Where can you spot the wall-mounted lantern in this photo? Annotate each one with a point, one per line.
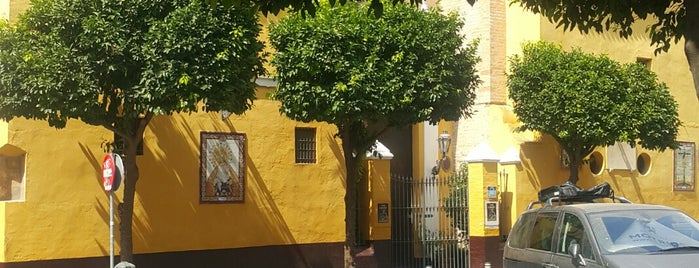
(444, 141)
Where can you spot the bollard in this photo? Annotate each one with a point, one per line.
(486, 265)
(125, 264)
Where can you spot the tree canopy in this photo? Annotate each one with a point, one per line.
(310, 6)
(344, 67)
(673, 20)
(365, 74)
(584, 100)
(116, 65)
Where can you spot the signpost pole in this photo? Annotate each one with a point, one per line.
(112, 174)
(111, 229)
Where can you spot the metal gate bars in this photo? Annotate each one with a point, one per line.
(430, 221)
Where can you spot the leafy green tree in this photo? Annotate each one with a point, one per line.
(365, 74)
(673, 20)
(118, 65)
(583, 101)
(310, 6)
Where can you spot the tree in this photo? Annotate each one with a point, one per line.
(674, 20)
(118, 65)
(365, 74)
(310, 6)
(583, 101)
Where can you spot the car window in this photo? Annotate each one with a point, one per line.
(573, 232)
(541, 235)
(519, 235)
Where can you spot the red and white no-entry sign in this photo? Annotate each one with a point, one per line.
(108, 172)
(112, 174)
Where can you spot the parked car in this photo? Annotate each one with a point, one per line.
(617, 234)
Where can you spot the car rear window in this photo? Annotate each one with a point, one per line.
(519, 235)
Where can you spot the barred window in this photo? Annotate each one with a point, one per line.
(305, 145)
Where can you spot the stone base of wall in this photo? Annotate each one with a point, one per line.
(308, 255)
(486, 249)
(377, 255)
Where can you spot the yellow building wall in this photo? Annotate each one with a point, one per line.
(66, 211)
(4, 9)
(672, 68)
(541, 165)
(376, 189)
(540, 155)
(2, 231)
(485, 175)
(10, 9)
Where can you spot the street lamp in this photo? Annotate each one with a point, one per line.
(444, 141)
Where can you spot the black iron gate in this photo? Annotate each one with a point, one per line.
(430, 221)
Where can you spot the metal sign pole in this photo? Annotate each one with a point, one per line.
(111, 229)
(112, 175)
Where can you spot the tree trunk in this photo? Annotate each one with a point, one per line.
(126, 208)
(574, 172)
(576, 158)
(135, 137)
(691, 43)
(352, 168)
(576, 154)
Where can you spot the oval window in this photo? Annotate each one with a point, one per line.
(596, 160)
(643, 163)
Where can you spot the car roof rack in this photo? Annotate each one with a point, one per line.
(576, 199)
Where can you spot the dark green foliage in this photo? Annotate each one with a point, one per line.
(583, 100)
(616, 15)
(365, 74)
(671, 20)
(344, 66)
(118, 63)
(310, 6)
(85, 59)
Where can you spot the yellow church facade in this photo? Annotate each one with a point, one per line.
(519, 164)
(56, 214)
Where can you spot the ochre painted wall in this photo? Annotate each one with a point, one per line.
(2, 230)
(540, 167)
(65, 214)
(10, 9)
(376, 189)
(672, 69)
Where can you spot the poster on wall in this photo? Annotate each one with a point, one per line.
(222, 167)
(492, 214)
(684, 167)
(383, 212)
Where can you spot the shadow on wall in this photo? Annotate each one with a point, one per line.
(169, 189)
(627, 178)
(541, 162)
(169, 216)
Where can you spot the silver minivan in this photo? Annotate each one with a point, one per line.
(603, 235)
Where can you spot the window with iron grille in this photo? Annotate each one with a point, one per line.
(305, 145)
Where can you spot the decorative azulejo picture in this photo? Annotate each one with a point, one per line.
(684, 167)
(222, 167)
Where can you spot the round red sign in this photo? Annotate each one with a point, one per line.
(108, 172)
